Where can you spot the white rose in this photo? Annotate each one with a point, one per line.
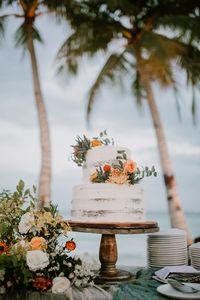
(25, 222)
(9, 284)
(2, 289)
(77, 283)
(37, 259)
(60, 285)
(2, 273)
(85, 281)
(69, 265)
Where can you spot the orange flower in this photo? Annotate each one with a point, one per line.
(129, 166)
(93, 176)
(3, 247)
(42, 283)
(115, 172)
(38, 243)
(96, 143)
(75, 152)
(117, 177)
(106, 168)
(70, 245)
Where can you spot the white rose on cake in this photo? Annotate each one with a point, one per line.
(37, 260)
(25, 222)
(60, 285)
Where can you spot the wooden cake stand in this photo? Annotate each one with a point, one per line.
(108, 246)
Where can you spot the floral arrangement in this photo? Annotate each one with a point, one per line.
(83, 144)
(34, 248)
(125, 171)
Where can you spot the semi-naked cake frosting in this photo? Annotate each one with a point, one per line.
(106, 202)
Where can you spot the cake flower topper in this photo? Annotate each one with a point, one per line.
(84, 144)
(124, 171)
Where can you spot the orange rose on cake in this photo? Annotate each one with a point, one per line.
(96, 143)
(129, 166)
(106, 168)
(38, 243)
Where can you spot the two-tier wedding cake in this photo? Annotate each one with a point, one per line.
(110, 191)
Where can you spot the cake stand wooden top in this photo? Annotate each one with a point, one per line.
(115, 228)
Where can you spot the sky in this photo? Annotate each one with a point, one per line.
(114, 110)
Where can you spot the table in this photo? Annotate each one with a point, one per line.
(108, 247)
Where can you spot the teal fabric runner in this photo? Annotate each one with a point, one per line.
(142, 288)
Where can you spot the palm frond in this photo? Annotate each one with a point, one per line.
(22, 35)
(181, 26)
(193, 108)
(190, 63)
(116, 63)
(1, 27)
(138, 89)
(82, 41)
(7, 2)
(177, 102)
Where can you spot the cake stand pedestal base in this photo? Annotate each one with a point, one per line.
(120, 276)
(108, 258)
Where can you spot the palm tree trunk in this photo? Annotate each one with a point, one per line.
(45, 171)
(176, 214)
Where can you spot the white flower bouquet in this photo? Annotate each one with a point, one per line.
(32, 258)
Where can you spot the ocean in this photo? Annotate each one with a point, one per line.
(132, 248)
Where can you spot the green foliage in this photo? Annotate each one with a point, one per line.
(12, 207)
(83, 144)
(140, 174)
(80, 150)
(144, 27)
(53, 209)
(23, 34)
(102, 176)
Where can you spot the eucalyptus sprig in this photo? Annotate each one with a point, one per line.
(139, 175)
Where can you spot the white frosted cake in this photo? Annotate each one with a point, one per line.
(115, 200)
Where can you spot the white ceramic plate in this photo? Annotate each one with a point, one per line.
(174, 259)
(195, 260)
(171, 242)
(167, 239)
(169, 252)
(168, 232)
(195, 246)
(164, 265)
(168, 291)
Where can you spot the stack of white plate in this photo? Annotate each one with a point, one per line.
(167, 248)
(194, 251)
